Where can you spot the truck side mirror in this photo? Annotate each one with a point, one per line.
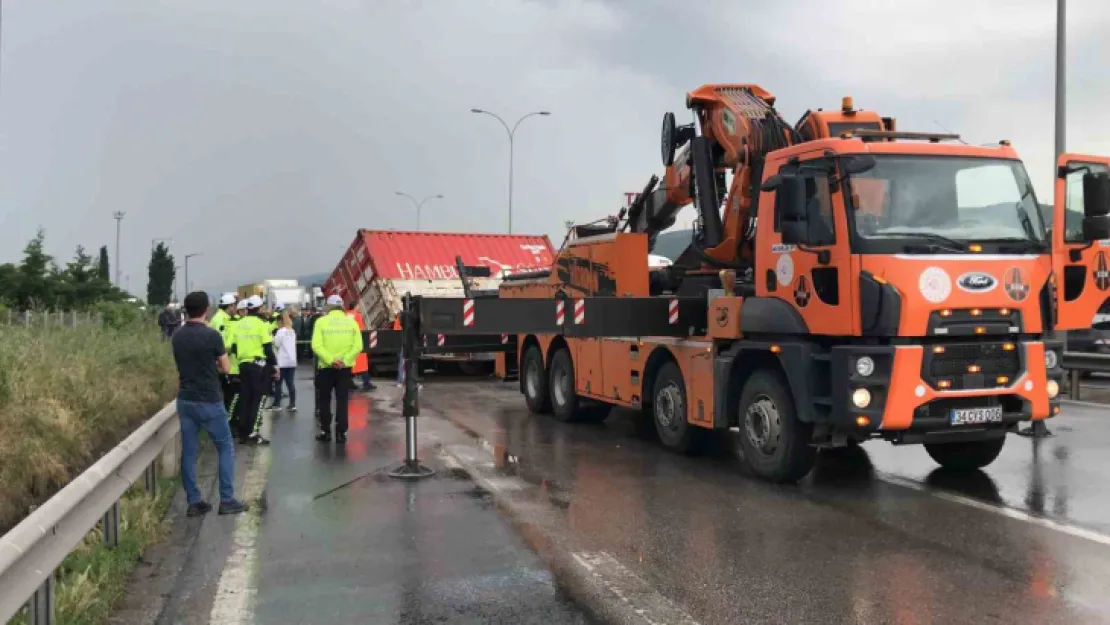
(1096, 194)
(1096, 206)
(790, 205)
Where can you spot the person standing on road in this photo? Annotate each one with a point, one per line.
(199, 353)
(336, 342)
(221, 322)
(362, 361)
(285, 346)
(168, 321)
(252, 344)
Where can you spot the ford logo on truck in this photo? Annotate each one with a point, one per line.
(976, 282)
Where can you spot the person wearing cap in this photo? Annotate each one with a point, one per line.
(252, 343)
(221, 322)
(336, 341)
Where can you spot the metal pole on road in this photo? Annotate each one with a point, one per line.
(512, 134)
(419, 205)
(411, 468)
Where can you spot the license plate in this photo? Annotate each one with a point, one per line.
(970, 416)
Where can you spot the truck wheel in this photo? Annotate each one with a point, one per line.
(564, 399)
(776, 444)
(668, 411)
(967, 455)
(534, 378)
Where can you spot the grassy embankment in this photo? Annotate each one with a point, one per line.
(66, 397)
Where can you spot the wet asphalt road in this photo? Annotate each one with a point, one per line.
(879, 535)
(876, 536)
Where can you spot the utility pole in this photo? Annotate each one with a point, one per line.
(118, 216)
(512, 134)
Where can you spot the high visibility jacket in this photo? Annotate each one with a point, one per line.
(362, 363)
(248, 338)
(219, 321)
(336, 337)
(229, 329)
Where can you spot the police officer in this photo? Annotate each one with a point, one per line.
(336, 341)
(252, 343)
(233, 374)
(221, 322)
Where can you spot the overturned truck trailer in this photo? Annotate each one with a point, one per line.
(380, 266)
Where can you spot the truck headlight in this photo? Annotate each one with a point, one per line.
(1053, 388)
(1051, 359)
(865, 366)
(861, 397)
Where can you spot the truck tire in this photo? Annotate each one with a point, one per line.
(967, 455)
(537, 393)
(668, 411)
(564, 397)
(775, 442)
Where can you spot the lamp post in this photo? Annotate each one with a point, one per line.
(419, 204)
(512, 133)
(187, 257)
(118, 216)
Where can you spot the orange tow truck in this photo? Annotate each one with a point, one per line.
(845, 281)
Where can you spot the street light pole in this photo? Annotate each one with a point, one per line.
(118, 216)
(1061, 80)
(419, 205)
(512, 134)
(187, 257)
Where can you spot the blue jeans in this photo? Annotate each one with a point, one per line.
(212, 418)
(287, 377)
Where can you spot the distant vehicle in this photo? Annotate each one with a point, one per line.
(381, 266)
(273, 292)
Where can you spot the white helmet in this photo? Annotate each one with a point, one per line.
(242, 305)
(254, 303)
(335, 300)
(279, 307)
(227, 299)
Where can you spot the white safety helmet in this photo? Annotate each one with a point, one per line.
(242, 305)
(254, 303)
(278, 307)
(227, 299)
(335, 300)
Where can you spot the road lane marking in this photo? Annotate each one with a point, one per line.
(631, 590)
(238, 586)
(1012, 513)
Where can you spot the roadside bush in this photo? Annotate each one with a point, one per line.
(66, 397)
(121, 315)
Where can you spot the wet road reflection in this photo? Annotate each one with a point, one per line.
(874, 534)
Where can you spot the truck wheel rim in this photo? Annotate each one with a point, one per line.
(560, 390)
(532, 379)
(667, 402)
(762, 424)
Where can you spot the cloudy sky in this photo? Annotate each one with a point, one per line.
(263, 133)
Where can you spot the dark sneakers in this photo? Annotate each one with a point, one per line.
(200, 508)
(233, 507)
(254, 439)
(341, 437)
(323, 436)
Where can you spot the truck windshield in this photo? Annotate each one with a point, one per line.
(942, 204)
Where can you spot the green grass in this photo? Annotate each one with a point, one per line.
(66, 397)
(94, 577)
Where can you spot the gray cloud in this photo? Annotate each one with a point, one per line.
(264, 132)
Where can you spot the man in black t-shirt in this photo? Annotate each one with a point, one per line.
(201, 358)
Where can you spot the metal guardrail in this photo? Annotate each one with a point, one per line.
(32, 551)
(1078, 362)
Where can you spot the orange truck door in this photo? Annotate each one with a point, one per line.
(1082, 269)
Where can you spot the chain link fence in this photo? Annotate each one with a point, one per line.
(51, 319)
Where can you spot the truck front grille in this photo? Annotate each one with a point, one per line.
(967, 366)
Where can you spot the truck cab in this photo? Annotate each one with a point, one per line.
(920, 278)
